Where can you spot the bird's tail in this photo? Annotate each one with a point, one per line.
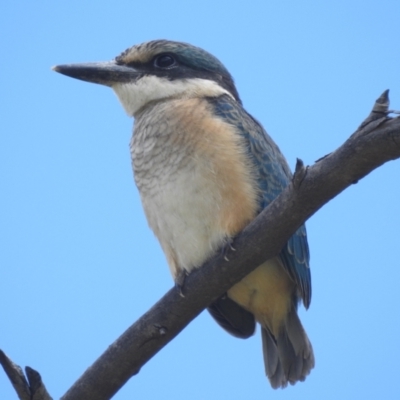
(288, 355)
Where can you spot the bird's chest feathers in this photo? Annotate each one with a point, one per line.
(195, 181)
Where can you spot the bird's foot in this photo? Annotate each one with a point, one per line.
(226, 247)
(180, 280)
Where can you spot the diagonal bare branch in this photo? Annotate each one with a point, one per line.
(376, 141)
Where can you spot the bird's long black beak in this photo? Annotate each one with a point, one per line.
(105, 73)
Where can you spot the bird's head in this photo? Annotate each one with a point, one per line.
(155, 71)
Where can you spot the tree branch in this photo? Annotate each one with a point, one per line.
(31, 389)
(376, 141)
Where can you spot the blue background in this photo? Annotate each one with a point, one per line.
(78, 263)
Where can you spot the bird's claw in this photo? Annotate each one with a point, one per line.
(179, 281)
(227, 246)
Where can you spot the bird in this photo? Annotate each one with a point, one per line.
(205, 168)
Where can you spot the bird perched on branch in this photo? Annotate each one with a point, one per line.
(205, 168)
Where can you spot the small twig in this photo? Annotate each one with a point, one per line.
(38, 390)
(300, 173)
(16, 377)
(377, 116)
(34, 390)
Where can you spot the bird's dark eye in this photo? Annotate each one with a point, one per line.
(164, 61)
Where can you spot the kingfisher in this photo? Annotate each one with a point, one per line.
(205, 168)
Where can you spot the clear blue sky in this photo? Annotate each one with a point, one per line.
(78, 263)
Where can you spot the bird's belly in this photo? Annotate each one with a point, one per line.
(266, 292)
(183, 213)
(196, 182)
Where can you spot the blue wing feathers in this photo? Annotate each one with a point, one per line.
(273, 176)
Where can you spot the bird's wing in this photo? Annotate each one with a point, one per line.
(232, 317)
(273, 176)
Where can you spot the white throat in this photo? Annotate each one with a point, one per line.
(135, 95)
